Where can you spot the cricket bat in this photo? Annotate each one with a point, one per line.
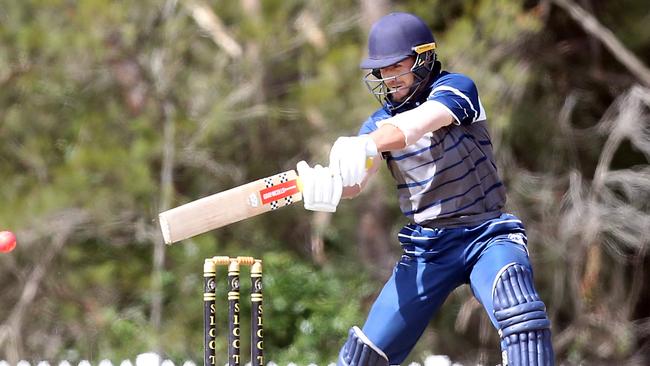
(230, 206)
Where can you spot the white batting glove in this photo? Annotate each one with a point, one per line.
(321, 189)
(348, 158)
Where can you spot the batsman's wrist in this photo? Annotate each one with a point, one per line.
(370, 145)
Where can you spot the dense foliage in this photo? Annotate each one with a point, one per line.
(111, 111)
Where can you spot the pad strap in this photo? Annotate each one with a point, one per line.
(524, 327)
(358, 350)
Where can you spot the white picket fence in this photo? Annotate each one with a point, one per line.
(152, 359)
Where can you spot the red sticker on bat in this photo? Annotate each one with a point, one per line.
(279, 191)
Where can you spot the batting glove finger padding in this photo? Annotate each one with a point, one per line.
(321, 189)
(348, 158)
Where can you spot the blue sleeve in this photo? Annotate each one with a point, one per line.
(371, 123)
(367, 127)
(458, 93)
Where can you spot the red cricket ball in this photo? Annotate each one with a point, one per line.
(7, 241)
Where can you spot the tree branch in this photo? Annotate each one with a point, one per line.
(592, 26)
(208, 21)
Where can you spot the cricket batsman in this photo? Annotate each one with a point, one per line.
(431, 132)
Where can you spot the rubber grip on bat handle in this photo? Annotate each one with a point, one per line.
(369, 162)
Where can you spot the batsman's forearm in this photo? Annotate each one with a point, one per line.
(388, 137)
(408, 127)
(351, 192)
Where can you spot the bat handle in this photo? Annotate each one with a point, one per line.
(369, 162)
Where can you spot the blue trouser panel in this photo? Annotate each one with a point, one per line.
(434, 263)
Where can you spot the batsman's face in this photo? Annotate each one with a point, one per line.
(400, 78)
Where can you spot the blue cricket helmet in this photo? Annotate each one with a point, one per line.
(393, 38)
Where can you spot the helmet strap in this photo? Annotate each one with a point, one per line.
(424, 64)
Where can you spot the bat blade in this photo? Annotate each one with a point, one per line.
(230, 206)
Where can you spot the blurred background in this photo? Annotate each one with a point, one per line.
(112, 111)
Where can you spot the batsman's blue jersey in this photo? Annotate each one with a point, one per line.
(449, 188)
(448, 177)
